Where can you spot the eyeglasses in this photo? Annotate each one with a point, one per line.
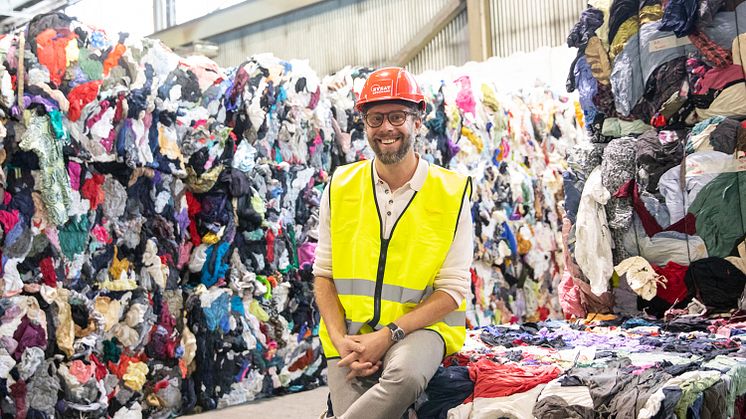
(396, 118)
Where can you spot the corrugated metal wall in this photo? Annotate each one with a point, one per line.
(337, 33)
(449, 47)
(525, 25)
(343, 32)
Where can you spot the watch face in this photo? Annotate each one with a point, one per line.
(398, 335)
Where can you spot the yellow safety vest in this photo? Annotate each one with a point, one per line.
(380, 280)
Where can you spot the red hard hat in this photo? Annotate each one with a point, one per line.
(391, 83)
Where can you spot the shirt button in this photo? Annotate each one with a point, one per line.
(388, 213)
(391, 201)
(385, 191)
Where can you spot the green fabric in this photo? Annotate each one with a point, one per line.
(720, 208)
(615, 127)
(93, 68)
(690, 390)
(736, 371)
(55, 184)
(263, 279)
(73, 236)
(112, 352)
(55, 118)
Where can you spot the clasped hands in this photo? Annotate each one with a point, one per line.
(363, 353)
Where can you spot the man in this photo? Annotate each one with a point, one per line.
(392, 262)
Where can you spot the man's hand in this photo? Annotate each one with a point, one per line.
(350, 350)
(367, 361)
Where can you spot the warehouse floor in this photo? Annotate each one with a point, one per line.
(304, 405)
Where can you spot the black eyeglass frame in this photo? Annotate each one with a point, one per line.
(387, 115)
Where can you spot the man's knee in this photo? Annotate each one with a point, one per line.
(405, 378)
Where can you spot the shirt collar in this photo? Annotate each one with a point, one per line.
(417, 180)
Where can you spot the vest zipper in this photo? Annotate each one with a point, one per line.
(379, 283)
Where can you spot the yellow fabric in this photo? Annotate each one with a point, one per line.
(257, 311)
(109, 309)
(473, 137)
(189, 342)
(626, 30)
(205, 182)
(415, 251)
(598, 60)
(579, 115)
(65, 332)
(72, 52)
(489, 99)
(210, 238)
(134, 378)
(652, 13)
(118, 266)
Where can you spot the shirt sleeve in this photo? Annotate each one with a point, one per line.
(322, 265)
(454, 277)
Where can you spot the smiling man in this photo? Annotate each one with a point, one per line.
(392, 263)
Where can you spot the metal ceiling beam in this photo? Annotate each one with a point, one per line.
(234, 17)
(21, 13)
(428, 32)
(480, 38)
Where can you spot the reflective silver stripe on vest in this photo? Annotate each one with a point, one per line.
(388, 292)
(455, 318)
(353, 327)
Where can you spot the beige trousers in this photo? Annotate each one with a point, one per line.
(407, 368)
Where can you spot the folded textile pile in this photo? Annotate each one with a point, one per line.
(612, 368)
(661, 221)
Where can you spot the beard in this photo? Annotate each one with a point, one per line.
(392, 156)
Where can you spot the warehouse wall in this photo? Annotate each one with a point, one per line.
(336, 33)
(520, 25)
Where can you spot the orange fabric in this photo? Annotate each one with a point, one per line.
(113, 58)
(51, 52)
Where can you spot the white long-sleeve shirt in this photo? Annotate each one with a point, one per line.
(453, 277)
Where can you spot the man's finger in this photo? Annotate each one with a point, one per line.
(346, 361)
(368, 371)
(360, 366)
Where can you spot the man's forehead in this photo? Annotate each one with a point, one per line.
(388, 107)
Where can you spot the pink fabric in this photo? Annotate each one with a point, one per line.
(184, 251)
(717, 78)
(8, 219)
(569, 297)
(465, 98)
(100, 233)
(81, 371)
(53, 237)
(306, 254)
(73, 170)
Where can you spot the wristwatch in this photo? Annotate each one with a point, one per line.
(397, 333)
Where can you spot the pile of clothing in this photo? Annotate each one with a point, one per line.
(655, 201)
(513, 146)
(158, 216)
(593, 369)
(157, 219)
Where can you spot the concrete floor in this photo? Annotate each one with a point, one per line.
(304, 405)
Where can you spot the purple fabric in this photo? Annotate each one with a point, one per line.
(28, 335)
(575, 338)
(306, 254)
